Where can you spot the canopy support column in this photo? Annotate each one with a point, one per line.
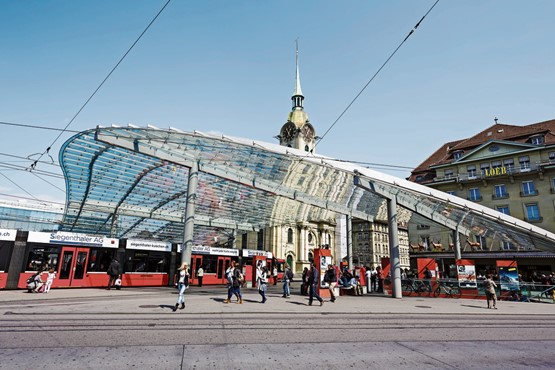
(350, 242)
(457, 244)
(395, 262)
(190, 214)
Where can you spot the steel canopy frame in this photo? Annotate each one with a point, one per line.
(139, 177)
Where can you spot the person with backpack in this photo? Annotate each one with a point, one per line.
(237, 279)
(313, 281)
(287, 278)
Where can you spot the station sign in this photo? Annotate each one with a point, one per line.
(72, 239)
(7, 235)
(203, 249)
(249, 253)
(148, 245)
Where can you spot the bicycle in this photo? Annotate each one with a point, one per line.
(449, 290)
(413, 285)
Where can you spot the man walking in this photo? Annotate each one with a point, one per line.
(114, 271)
(313, 281)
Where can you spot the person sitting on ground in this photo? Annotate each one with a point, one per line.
(346, 278)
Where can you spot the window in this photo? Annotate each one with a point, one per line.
(474, 194)
(524, 163)
(500, 191)
(100, 258)
(453, 192)
(145, 261)
(553, 185)
(528, 188)
(457, 155)
(503, 209)
(551, 156)
(471, 171)
(448, 173)
(509, 164)
(496, 164)
(536, 140)
(42, 258)
(533, 212)
(507, 246)
(484, 167)
(290, 235)
(260, 240)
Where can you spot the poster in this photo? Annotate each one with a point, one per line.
(508, 278)
(324, 262)
(467, 276)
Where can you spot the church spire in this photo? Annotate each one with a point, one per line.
(297, 97)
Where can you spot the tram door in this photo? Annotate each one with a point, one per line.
(223, 264)
(72, 266)
(196, 262)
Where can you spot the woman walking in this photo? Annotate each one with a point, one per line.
(262, 282)
(182, 284)
(489, 287)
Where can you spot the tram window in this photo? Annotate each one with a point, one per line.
(210, 264)
(99, 259)
(141, 261)
(42, 258)
(5, 252)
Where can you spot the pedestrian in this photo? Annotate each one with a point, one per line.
(379, 278)
(304, 284)
(275, 275)
(200, 274)
(313, 281)
(368, 275)
(427, 279)
(237, 279)
(489, 288)
(286, 277)
(330, 277)
(114, 270)
(262, 282)
(182, 284)
(374, 279)
(49, 280)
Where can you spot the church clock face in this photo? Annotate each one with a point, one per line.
(289, 132)
(308, 133)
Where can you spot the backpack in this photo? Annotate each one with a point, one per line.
(289, 274)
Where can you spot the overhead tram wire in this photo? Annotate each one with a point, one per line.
(370, 81)
(32, 167)
(375, 75)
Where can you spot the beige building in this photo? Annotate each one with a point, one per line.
(505, 167)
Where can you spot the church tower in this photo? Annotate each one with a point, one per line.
(297, 132)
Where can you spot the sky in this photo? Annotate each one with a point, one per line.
(229, 67)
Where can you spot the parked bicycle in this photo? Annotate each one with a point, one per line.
(449, 289)
(413, 286)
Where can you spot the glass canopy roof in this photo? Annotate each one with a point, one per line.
(131, 182)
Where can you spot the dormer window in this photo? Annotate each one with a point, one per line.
(536, 140)
(457, 154)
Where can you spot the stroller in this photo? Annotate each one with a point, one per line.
(34, 283)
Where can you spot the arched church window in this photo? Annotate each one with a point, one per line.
(306, 148)
(310, 257)
(289, 235)
(310, 237)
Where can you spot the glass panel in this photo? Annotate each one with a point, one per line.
(67, 259)
(80, 265)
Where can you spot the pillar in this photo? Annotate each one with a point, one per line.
(190, 214)
(394, 248)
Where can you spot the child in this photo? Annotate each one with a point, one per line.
(118, 282)
(49, 280)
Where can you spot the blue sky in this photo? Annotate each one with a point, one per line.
(229, 67)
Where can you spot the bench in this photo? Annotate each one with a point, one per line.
(350, 290)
